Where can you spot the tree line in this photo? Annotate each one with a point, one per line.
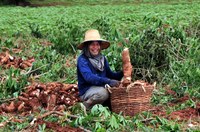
(15, 2)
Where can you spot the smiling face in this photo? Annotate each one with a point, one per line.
(94, 48)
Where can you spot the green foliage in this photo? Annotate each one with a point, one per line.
(161, 98)
(185, 71)
(167, 125)
(162, 49)
(180, 91)
(41, 128)
(13, 83)
(113, 54)
(101, 119)
(35, 30)
(149, 51)
(8, 43)
(12, 126)
(66, 36)
(193, 30)
(51, 66)
(189, 103)
(104, 25)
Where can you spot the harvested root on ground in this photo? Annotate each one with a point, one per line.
(7, 61)
(50, 96)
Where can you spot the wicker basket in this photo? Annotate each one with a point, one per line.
(132, 99)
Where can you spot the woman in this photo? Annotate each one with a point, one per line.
(93, 70)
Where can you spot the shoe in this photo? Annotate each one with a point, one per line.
(88, 104)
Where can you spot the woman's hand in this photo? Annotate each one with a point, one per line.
(114, 83)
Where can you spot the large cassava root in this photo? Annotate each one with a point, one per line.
(127, 67)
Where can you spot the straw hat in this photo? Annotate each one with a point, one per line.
(93, 35)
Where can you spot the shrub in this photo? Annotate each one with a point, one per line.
(66, 36)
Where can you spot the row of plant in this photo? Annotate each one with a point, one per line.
(16, 20)
(164, 47)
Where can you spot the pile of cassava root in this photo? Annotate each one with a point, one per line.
(7, 61)
(50, 96)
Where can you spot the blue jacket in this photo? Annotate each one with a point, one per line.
(88, 76)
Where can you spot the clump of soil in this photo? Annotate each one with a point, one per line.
(185, 114)
(180, 115)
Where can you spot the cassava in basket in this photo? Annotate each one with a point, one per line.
(132, 99)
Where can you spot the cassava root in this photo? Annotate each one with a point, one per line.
(127, 67)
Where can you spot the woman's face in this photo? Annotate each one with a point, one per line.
(94, 48)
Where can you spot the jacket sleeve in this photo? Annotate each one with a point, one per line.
(112, 75)
(89, 76)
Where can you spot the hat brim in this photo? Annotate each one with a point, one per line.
(104, 44)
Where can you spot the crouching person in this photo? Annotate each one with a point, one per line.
(93, 70)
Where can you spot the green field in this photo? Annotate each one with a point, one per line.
(17, 19)
(163, 38)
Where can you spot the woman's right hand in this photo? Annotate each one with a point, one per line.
(114, 83)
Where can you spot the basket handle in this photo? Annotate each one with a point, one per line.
(138, 83)
(108, 88)
(133, 84)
